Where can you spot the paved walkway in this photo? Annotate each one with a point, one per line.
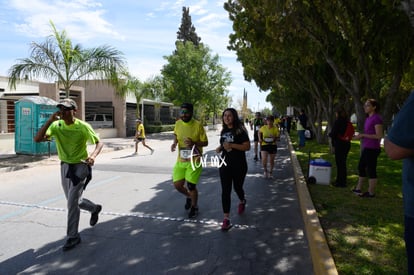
(287, 204)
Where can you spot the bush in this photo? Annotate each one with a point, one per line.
(159, 128)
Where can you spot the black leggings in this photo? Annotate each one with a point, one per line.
(341, 154)
(409, 242)
(232, 176)
(368, 163)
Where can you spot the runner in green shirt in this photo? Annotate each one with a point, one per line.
(71, 135)
(190, 136)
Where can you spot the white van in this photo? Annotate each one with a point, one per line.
(100, 120)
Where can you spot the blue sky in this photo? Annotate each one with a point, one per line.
(144, 30)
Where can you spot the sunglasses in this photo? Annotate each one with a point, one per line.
(185, 112)
(65, 108)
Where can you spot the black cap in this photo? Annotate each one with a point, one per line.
(187, 106)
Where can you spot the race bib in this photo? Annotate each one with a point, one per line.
(185, 153)
(268, 140)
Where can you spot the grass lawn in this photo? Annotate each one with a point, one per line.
(365, 235)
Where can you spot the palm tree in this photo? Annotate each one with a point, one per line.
(151, 88)
(58, 60)
(131, 86)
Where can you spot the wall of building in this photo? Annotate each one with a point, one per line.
(99, 91)
(51, 90)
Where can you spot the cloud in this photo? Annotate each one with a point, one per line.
(144, 31)
(84, 18)
(199, 8)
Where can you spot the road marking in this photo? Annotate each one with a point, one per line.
(116, 214)
(92, 185)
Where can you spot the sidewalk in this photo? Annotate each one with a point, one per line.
(321, 257)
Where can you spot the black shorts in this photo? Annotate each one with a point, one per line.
(271, 149)
(139, 139)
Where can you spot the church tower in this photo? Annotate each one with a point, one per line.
(244, 111)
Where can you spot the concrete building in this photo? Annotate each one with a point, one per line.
(92, 97)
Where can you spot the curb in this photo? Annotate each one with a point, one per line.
(322, 259)
(14, 168)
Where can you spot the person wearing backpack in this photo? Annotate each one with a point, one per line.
(341, 136)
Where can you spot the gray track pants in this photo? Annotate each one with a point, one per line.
(75, 202)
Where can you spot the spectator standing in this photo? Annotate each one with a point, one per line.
(277, 124)
(399, 144)
(190, 136)
(341, 146)
(288, 123)
(255, 126)
(301, 127)
(371, 148)
(268, 135)
(71, 135)
(234, 142)
(140, 136)
(282, 125)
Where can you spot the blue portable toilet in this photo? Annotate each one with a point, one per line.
(31, 113)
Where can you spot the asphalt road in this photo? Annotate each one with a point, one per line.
(143, 227)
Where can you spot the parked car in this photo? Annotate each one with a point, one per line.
(100, 120)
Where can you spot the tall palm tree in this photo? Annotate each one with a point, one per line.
(58, 60)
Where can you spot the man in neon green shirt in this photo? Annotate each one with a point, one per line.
(71, 135)
(190, 136)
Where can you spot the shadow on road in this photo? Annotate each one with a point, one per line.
(157, 238)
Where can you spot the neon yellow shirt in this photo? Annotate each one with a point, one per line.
(141, 131)
(192, 129)
(276, 123)
(269, 134)
(299, 126)
(71, 140)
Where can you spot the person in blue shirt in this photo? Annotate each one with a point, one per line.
(301, 127)
(399, 144)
